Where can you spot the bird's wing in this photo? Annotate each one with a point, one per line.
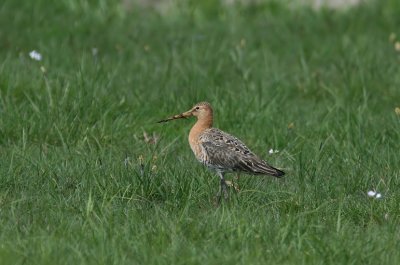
(224, 140)
(227, 152)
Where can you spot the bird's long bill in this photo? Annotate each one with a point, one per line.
(179, 116)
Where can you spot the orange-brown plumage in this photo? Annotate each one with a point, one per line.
(204, 121)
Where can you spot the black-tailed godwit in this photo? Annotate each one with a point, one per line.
(219, 150)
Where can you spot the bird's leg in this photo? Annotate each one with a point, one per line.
(232, 183)
(223, 188)
(235, 183)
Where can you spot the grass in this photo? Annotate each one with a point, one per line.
(78, 183)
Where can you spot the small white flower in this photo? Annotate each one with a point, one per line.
(35, 55)
(272, 151)
(374, 194)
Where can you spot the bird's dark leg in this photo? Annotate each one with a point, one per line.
(223, 188)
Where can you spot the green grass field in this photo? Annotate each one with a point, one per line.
(79, 184)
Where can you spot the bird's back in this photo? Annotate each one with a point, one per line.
(224, 152)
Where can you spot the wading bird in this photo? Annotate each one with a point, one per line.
(220, 151)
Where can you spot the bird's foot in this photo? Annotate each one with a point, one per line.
(232, 184)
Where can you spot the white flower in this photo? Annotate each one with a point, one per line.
(374, 194)
(35, 55)
(272, 151)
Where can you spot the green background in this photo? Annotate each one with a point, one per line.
(80, 184)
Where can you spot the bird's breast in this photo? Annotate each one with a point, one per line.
(197, 148)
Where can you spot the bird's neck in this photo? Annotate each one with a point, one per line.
(202, 124)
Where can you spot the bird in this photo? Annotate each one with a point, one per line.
(220, 151)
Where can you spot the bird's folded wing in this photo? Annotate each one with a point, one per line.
(221, 155)
(228, 158)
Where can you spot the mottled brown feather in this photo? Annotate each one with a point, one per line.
(226, 153)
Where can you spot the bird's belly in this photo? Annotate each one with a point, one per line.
(197, 151)
(203, 158)
(216, 168)
(201, 155)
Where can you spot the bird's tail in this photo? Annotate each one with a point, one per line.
(258, 166)
(265, 169)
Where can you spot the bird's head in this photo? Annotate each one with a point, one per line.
(202, 110)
